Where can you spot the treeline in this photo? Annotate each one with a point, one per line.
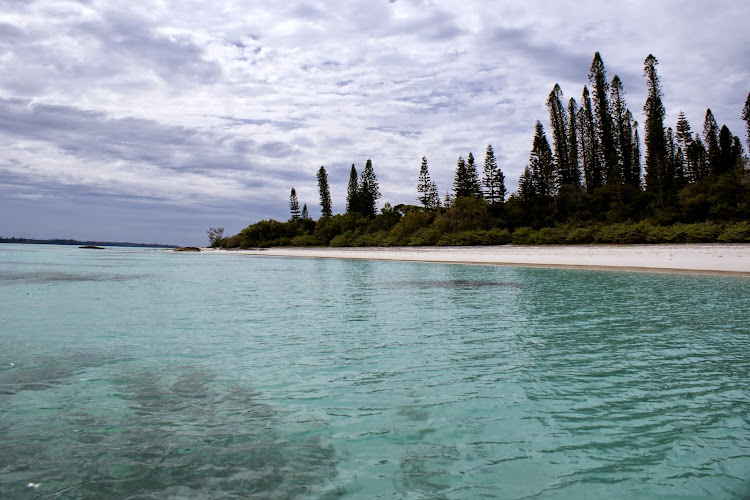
(589, 186)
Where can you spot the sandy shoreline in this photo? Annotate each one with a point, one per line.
(694, 258)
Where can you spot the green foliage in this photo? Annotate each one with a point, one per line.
(658, 180)
(424, 184)
(409, 224)
(543, 182)
(294, 206)
(465, 214)
(735, 232)
(493, 236)
(325, 193)
(494, 180)
(369, 191)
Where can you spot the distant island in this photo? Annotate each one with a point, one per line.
(60, 241)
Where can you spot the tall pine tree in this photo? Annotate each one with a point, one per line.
(657, 178)
(603, 118)
(475, 187)
(559, 121)
(574, 172)
(635, 174)
(726, 154)
(526, 188)
(698, 161)
(353, 198)
(623, 133)
(684, 136)
(325, 193)
(433, 197)
(294, 205)
(462, 180)
(423, 184)
(494, 180)
(369, 191)
(593, 168)
(542, 164)
(746, 117)
(711, 136)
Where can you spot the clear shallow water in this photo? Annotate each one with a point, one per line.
(149, 374)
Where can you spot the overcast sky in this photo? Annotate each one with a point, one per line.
(152, 121)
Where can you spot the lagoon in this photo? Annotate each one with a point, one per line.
(133, 373)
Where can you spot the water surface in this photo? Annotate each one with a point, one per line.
(132, 373)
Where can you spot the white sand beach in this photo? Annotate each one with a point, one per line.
(698, 258)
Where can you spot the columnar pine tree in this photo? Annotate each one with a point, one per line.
(559, 121)
(603, 118)
(369, 191)
(325, 193)
(423, 184)
(657, 180)
(698, 161)
(593, 168)
(711, 136)
(623, 134)
(494, 180)
(294, 205)
(684, 136)
(631, 170)
(305, 214)
(433, 198)
(542, 164)
(473, 177)
(526, 188)
(635, 163)
(671, 163)
(353, 203)
(746, 117)
(726, 156)
(574, 173)
(461, 183)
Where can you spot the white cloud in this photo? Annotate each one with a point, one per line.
(194, 102)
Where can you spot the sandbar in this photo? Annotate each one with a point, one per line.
(711, 258)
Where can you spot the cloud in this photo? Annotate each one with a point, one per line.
(228, 104)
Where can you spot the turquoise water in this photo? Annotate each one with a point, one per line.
(132, 373)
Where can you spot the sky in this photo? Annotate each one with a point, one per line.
(154, 121)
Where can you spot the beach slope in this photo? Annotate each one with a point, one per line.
(702, 258)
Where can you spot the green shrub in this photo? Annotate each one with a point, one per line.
(735, 232)
(525, 236)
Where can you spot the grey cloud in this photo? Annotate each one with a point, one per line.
(432, 26)
(307, 11)
(553, 59)
(133, 39)
(9, 33)
(96, 52)
(281, 125)
(396, 131)
(93, 135)
(276, 149)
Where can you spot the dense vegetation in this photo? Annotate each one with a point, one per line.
(588, 187)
